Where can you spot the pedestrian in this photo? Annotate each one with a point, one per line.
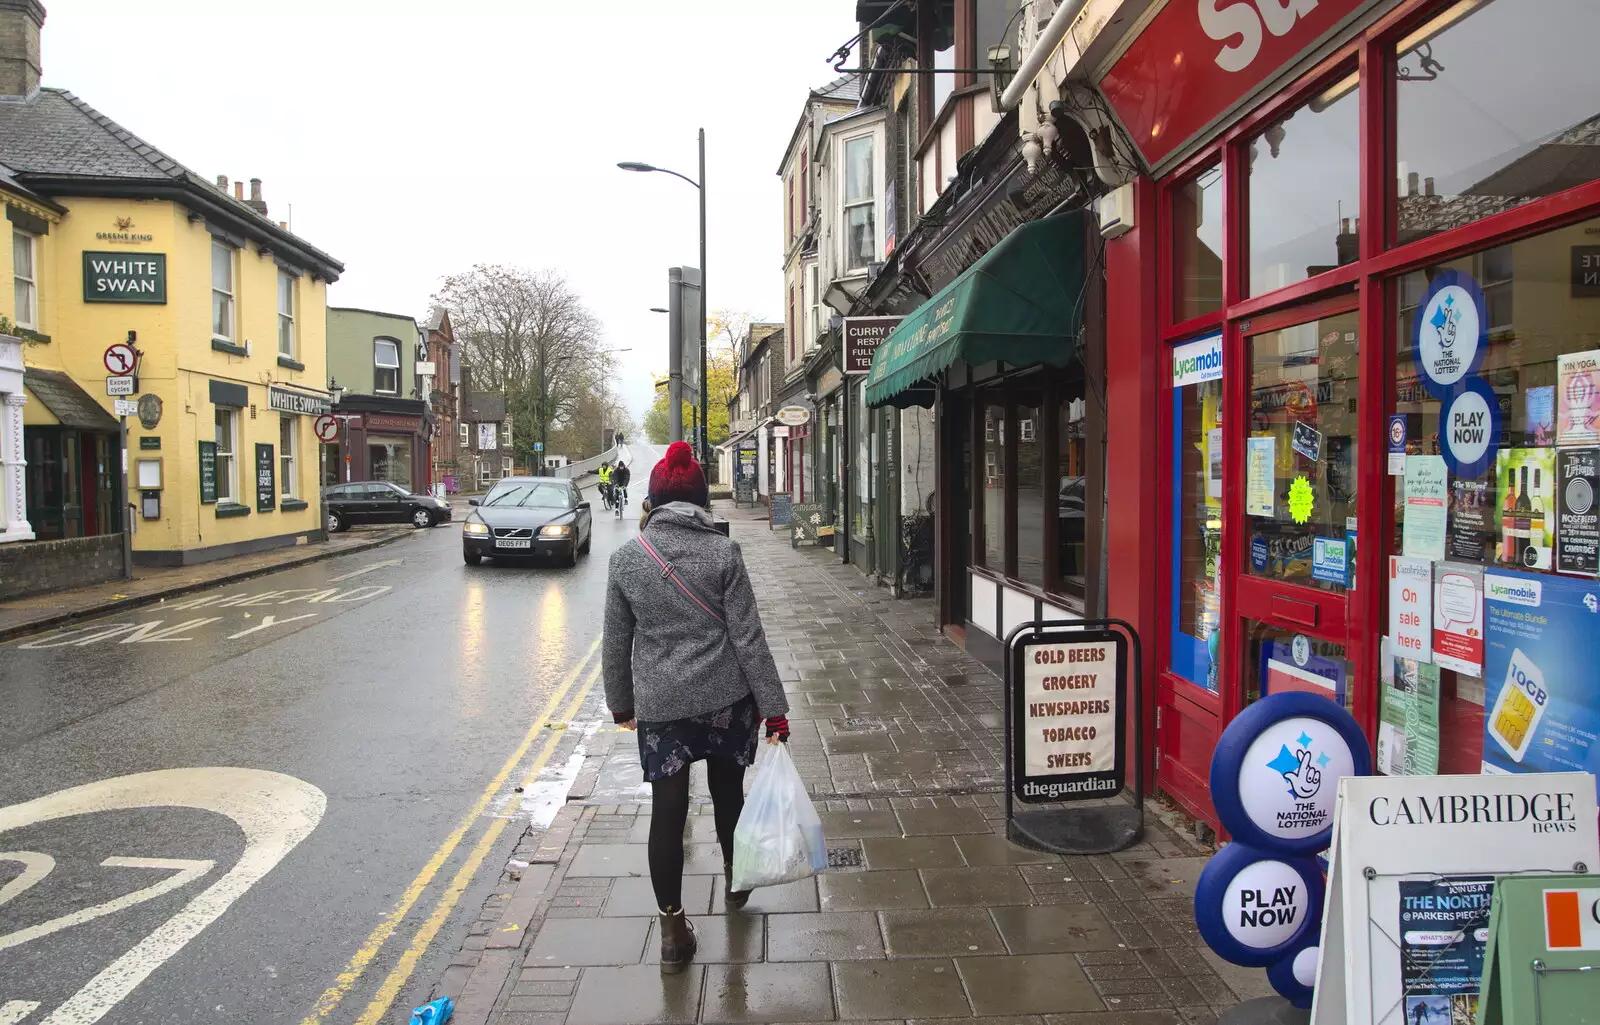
(687, 666)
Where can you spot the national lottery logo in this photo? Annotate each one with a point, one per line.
(1301, 768)
(1446, 320)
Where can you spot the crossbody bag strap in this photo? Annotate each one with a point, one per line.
(668, 573)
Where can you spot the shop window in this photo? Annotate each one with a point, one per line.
(389, 459)
(1305, 190)
(1300, 457)
(462, 431)
(227, 438)
(1073, 504)
(994, 482)
(386, 366)
(23, 249)
(860, 219)
(1471, 139)
(1197, 439)
(288, 456)
(1031, 492)
(1197, 245)
(222, 291)
(286, 334)
(1503, 486)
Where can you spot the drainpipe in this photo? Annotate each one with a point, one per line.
(1054, 31)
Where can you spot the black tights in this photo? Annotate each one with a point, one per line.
(669, 813)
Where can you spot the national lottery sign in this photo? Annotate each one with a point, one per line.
(1070, 689)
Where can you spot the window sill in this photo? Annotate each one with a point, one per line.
(28, 334)
(292, 364)
(227, 510)
(293, 505)
(231, 349)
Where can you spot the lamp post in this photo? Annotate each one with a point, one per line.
(631, 165)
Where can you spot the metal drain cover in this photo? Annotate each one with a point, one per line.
(860, 722)
(844, 857)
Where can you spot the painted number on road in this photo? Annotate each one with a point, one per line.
(275, 812)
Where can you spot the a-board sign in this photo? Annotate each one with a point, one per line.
(1069, 693)
(208, 473)
(266, 479)
(1413, 864)
(782, 509)
(1544, 939)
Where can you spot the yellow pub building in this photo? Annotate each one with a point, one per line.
(117, 247)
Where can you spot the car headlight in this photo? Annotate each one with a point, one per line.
(555, 530)
(475, 528)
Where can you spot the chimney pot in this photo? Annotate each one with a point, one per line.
(1411, 182)
(257, 204)
(238, 190)
(1427, 186)
(222, 183)
(20, 23)
(255, 188)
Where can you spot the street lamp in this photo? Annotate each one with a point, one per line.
(705, 308)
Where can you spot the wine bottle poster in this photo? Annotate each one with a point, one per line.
(1525, 503)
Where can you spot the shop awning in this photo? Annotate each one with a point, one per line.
(1021, 302)
(70, 404)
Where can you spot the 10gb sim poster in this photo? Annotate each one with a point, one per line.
(1542, 689)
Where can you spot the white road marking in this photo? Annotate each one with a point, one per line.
(275, 812)
(13, 1011)
(185, 871)
(35, 866)
(269, 621)
(364, 570)
(147, 634)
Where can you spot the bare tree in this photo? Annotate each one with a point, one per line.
(528, 335)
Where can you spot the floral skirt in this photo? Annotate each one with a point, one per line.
(666, 748)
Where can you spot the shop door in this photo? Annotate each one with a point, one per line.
(1290, 545)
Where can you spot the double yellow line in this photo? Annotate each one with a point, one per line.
(401, 973)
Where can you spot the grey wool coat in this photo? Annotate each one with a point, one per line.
(665, 657)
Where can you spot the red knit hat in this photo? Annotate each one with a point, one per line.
(678, 478)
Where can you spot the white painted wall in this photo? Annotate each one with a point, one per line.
(14, 524)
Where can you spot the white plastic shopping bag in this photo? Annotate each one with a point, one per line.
(779, 837)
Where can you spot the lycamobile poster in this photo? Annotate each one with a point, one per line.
(1542, 688)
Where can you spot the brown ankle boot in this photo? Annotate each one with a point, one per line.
(736, 898)
(677, 942)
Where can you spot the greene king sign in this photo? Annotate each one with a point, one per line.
(124, 277)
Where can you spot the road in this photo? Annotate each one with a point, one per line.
(280, 801)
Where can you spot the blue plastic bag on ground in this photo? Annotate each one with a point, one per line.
(779, 836)
(434, 1012)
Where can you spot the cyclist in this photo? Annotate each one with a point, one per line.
(604, 474)
(620, 476)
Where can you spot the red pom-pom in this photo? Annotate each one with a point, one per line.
(679, 454)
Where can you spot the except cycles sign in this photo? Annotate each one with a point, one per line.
(1069, 692)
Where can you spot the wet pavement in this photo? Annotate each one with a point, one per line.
(930, 913)
(284, 799)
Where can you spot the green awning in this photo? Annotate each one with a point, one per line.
(1021, 302)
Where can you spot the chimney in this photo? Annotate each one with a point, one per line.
(1427, 186)
(222, 184)
(20, 22)
(257, 204)
(238, 191)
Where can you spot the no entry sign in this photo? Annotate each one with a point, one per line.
(326, 428)
(120, 359)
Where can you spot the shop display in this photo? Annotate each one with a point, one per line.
(1543, 685)
(1471, 533)
(1527, 503)
(1578, 398)
(1470, 425)
(1426, 496)
(1577, 512)
(1458, 617)
(1261, 482)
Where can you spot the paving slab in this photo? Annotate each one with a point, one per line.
(797, 896)
(589, 941)
(1036, 984)
(912, 852)
(634, 897)
(942, 821)
(997, 850)
(842, 825)
(940, 932)
(724, 939)
(1058, 928)
(975, 887)
(637, 995)
(923, 988)
(767, 993)
(833, 936)
(871, 891)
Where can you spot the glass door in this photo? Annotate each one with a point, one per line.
(1295, 518)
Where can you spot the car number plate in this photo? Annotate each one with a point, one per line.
(515, 542)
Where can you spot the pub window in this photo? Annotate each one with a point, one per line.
(222, 291)
(286, 337)
(288, 451)
(23, 249)
(227, 438)
(1470, 140)
(385, 366)
(1305, 190)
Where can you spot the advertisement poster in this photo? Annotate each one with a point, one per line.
(1577, 512)
(1471, 531)
(1540, 404)
(1397, 444)
(1578, 398)
(1427, 494)
(1307, 441)
(1420, 683)
(1541, 680)
(1527, 506)
(1444, 929)
(1214, 463)
(1458, 618)
(1330, 561)
(1294, 665)
(1411, 607)
(1261, 476)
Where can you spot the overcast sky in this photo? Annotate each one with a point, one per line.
(415, 138)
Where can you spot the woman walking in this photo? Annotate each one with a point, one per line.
(687, 665)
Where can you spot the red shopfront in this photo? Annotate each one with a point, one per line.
(1322, 171)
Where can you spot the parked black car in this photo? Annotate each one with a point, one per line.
(376, 501)
(529, 517)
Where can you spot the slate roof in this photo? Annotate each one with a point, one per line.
(73, 406)
(845, 87)
(57, 136)
(436, 318)
(485, 409)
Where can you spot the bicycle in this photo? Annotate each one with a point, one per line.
(619, 499)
